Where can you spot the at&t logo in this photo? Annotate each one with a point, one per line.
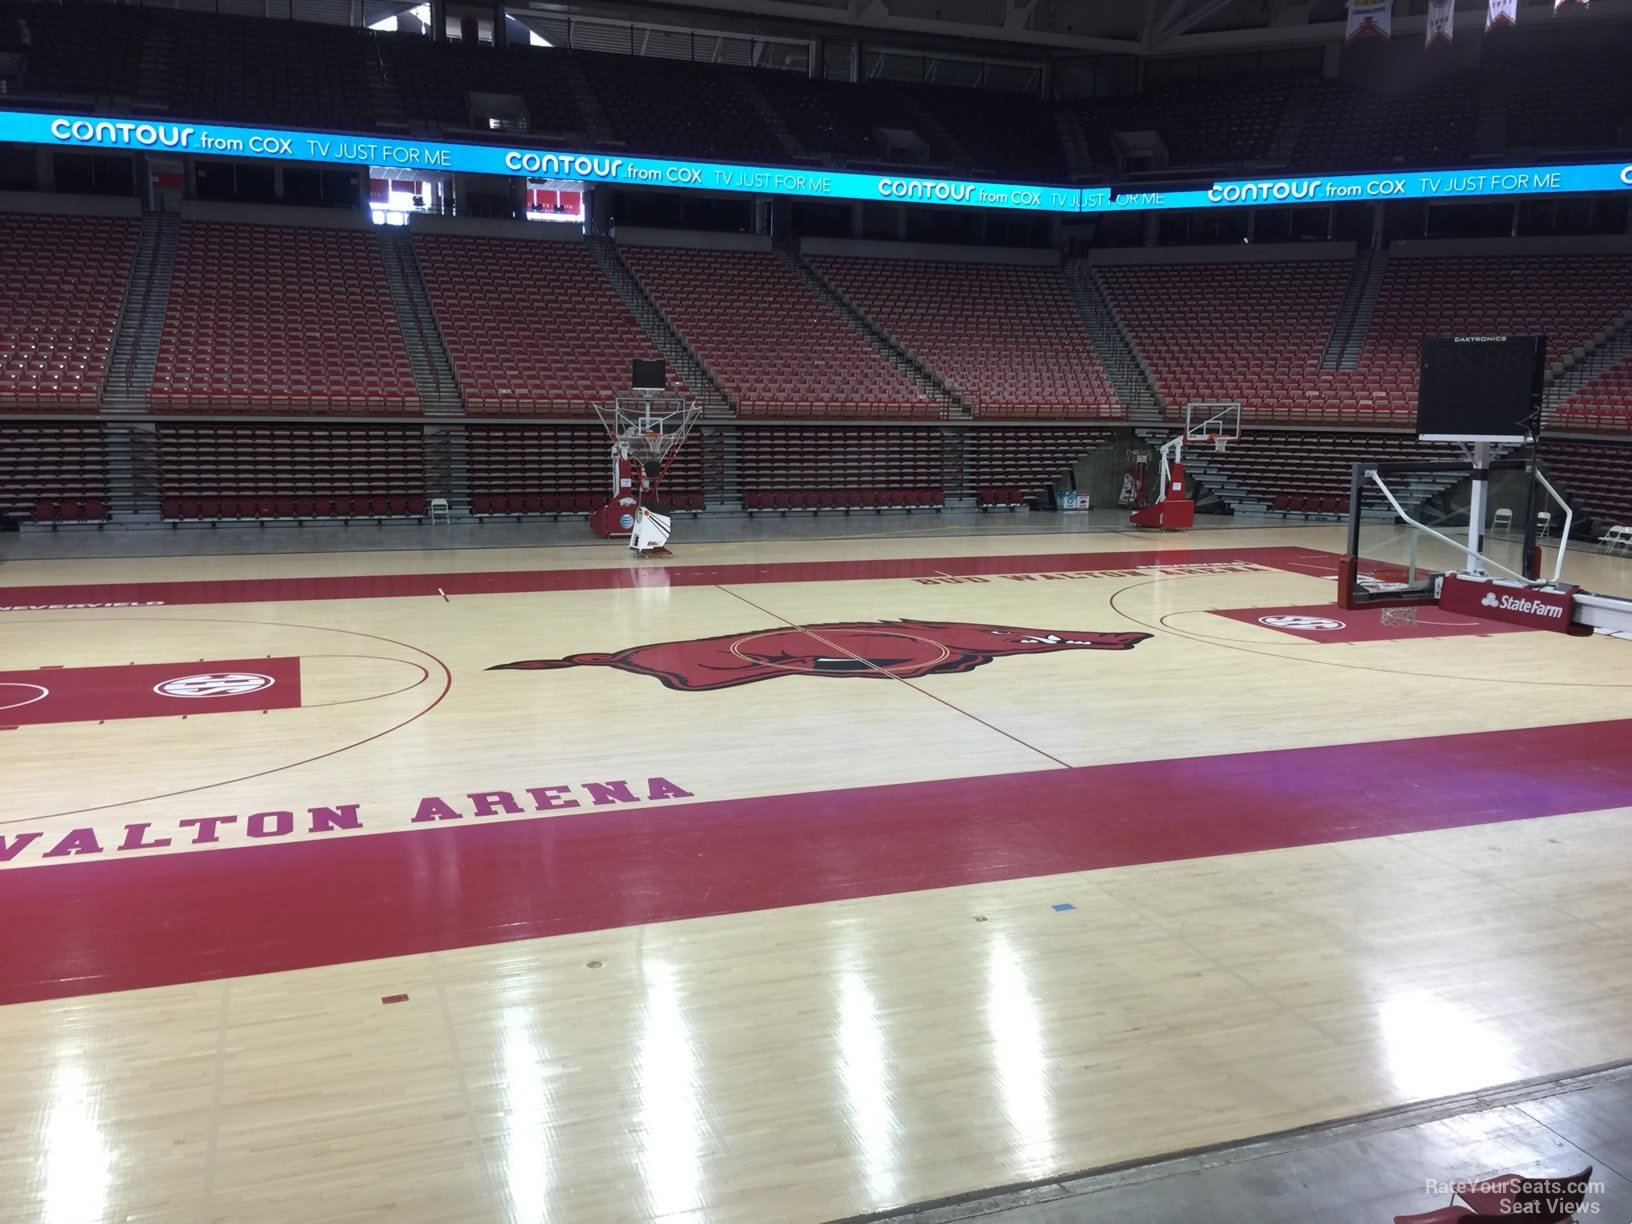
(1321, 624)
(215, 684)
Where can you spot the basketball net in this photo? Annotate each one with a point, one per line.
(648, 429)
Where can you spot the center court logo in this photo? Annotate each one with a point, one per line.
(1317, 624)
(214, 684)
(869, 650)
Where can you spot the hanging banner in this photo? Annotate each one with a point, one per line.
(1441, 22)
(1502, 12)
(1370, 19)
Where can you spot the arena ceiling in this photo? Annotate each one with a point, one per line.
(1046, 28)
(1115, 27)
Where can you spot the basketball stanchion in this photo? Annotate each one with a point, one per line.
(646, 428)
(1173, 510)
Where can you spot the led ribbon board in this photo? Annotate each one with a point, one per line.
(220, 140)
(1372, 188)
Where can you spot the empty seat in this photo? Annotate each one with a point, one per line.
(776, 347)
(274, 319)
(65, 280)
(1006, 338)
(531, 326)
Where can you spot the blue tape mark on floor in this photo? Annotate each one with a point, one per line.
(1064, 905)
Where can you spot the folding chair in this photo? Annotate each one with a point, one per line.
(1616, 539)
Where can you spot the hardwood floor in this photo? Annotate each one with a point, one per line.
(828, 877)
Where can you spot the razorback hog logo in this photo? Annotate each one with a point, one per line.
(903, 649)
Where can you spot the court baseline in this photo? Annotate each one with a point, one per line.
(626, 577)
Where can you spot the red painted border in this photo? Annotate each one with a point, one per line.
(88, 928)
(132, 690)
(510, 582)
(1366, 624)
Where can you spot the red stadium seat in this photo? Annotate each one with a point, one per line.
(1007, 338)
(65, 281)
(275, 319)
(516, 347)
(777, 348)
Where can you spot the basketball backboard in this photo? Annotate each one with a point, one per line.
(1214, 423)
(1409, 525)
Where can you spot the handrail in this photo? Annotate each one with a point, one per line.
(1569, 518)
(1563, 537)
(1411, 522)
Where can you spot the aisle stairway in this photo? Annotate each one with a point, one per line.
(682, 358)
(427, 354)
(141, 321)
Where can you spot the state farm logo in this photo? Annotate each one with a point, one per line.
(1516, 603)
(1319, 624)
(215, 684)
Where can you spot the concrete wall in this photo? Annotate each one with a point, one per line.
(1283, 252)
(494, 227)
(69, 205)
(1509, 248)
(1099, 473)
(274, 214)
(929, 251)
(631, 235)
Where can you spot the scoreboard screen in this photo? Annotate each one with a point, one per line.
(649, 374)
(1480, 388)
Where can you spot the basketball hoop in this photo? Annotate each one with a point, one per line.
(646, 431)
(649, 429)
(1218, 423)
(646, 445)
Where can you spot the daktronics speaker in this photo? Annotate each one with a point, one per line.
(1480, 388)
(650, 374)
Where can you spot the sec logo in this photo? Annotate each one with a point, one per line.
(1322, 624)
(214, 684)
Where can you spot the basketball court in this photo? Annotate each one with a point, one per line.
(792, 877)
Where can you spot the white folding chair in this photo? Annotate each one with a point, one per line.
(1544, 524)
(439, 509)
(1616, 539)
(1503, 518)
